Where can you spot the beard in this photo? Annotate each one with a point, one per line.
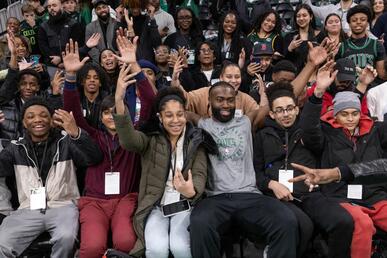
(56, 18)
(104, 17)
(221, 118)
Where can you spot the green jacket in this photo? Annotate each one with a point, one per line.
(155, 150)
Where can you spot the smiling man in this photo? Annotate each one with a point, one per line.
(231, 188)
(55, 33)
(44, 164)
(359, 47)
(105, 25)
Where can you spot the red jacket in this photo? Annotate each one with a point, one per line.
(123, 161)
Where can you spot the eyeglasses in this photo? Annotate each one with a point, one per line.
(281, 110)
(184, 18)
(206, 50)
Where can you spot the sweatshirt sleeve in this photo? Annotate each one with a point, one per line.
(147, 96)
(72, 103)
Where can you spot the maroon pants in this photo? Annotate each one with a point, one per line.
(97, 216)
(365, 221)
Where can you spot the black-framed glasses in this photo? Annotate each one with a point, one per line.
(281, 110)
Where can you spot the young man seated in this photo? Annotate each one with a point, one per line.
(44, 164)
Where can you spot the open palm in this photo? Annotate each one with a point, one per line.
(127, 49)
(71, 59)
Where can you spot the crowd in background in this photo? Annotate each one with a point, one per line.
(162, 127)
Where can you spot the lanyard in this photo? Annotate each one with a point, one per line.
(39, 168)
(111, 153)
(286, 149)
(173, 166)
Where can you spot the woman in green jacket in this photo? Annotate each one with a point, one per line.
(174, 171)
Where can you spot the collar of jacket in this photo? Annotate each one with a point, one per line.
(365, 123)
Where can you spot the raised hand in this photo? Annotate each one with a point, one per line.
(127, 49)
(57, 82)
(177, 69)
(295, 43)
(253, 68)
(2, 116)
(71, 59)
(185, 187)
(242, 58)
(11, 42)
(129, 20)
(318, 54)
(325, 77)
(93, 40)
(124, 80)
(66, 120)
(367, 75)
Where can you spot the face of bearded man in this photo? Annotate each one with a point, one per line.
(102, 11)
(54, 8)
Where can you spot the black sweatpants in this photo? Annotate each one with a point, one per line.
(332, 219)
(255, 214)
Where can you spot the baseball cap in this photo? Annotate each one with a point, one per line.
(97, 2)
(262, 49)
(346, 69)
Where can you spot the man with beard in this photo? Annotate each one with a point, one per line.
(55, 33)
(105, 26)
(360, 47)
(231, 188)
(344, 81)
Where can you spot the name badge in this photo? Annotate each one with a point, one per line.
(84, 112)
(168, 78)
(38, 198)
(238, 113)
(283, 178)
(355, 192)
(171, 197)
(112, 182)
(191, 57)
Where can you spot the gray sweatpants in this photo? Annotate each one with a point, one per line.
(20, 228)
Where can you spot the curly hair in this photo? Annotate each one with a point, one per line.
(278, 90)
(261, 18)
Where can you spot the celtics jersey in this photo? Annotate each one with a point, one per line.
(255, 39)
(362, 51)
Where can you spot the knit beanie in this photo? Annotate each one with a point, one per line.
(344, 100)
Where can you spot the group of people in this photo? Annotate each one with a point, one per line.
(125, 126)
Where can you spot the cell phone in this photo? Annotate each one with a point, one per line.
(34, 59)
(175, 208)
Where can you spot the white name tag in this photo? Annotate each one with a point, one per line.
(112, 182)
(213, 81)
(238, 113)
(171, 197)
(38, 198)
(283, 178)
(355, 192)
(168, 78)
(84, 112)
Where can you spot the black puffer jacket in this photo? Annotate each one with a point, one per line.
(270, 147)
(339, 149)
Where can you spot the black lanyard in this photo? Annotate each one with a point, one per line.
(286, 149)
(39, 168)
(111, 153)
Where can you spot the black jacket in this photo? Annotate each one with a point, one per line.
(339, 150)
(54, 35)
(271, 144)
